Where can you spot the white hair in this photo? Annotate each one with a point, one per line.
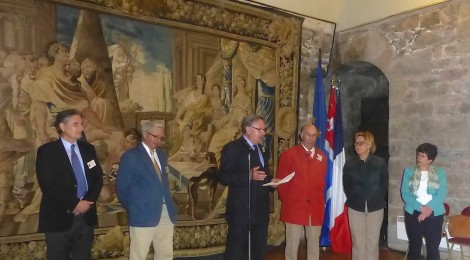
(152, 124)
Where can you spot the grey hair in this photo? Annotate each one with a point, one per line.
(249, 119)
(150, 125)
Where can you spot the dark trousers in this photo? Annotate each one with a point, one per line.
(430, 229)
(74, 243)
(237, 241)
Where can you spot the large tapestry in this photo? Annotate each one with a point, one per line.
(198, 66)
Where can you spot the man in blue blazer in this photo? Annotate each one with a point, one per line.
(70, 178)
(142, 187)
(244, 169)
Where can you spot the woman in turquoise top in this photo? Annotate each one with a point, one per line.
(424, 189)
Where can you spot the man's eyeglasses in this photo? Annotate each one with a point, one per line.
(162, 138)
(259, 129)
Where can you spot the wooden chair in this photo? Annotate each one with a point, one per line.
(461, 241)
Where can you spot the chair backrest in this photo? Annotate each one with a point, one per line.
(446, 206)
(459, 226)
(466, 211)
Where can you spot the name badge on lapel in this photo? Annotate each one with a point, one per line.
(319, 157)
(91, 164)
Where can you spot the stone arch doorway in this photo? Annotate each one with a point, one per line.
(364, 96)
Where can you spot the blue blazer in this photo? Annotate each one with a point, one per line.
(140, 190)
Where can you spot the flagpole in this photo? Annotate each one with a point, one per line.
(319, 55)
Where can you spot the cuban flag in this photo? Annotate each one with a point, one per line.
(339, 224)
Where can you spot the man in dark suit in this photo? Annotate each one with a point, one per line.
(70, 178)
(244, 169)
(142, 187)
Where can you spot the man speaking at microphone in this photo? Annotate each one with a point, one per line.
(244, 169)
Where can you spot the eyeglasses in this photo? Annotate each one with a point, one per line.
(259, 129)
(359, 143)
(162, 138)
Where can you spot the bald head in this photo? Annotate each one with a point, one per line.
(308, 135)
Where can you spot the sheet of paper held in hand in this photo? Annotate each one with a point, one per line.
(286, 179)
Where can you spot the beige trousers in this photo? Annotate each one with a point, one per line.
(161, 236)
(365, 233)
(293, 235)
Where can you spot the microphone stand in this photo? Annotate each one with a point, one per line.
(249, 204)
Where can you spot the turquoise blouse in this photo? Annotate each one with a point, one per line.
(438, 196)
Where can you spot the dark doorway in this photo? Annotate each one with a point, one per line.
(364, 97)
(374, 118)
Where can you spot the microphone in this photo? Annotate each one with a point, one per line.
(250, 149)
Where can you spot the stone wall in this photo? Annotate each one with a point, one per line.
(316, 37)
(425, 55)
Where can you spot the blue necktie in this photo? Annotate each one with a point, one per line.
(260, 155)
(79, 175)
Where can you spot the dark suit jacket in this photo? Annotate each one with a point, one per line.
(234, 174)
(59, 186)
(140, 190)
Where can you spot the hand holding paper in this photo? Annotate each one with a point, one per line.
(286, 179)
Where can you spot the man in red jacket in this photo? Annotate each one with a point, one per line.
(303, 199)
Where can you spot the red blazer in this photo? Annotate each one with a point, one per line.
(304, 195)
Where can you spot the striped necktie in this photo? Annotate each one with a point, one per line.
(155, 164)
